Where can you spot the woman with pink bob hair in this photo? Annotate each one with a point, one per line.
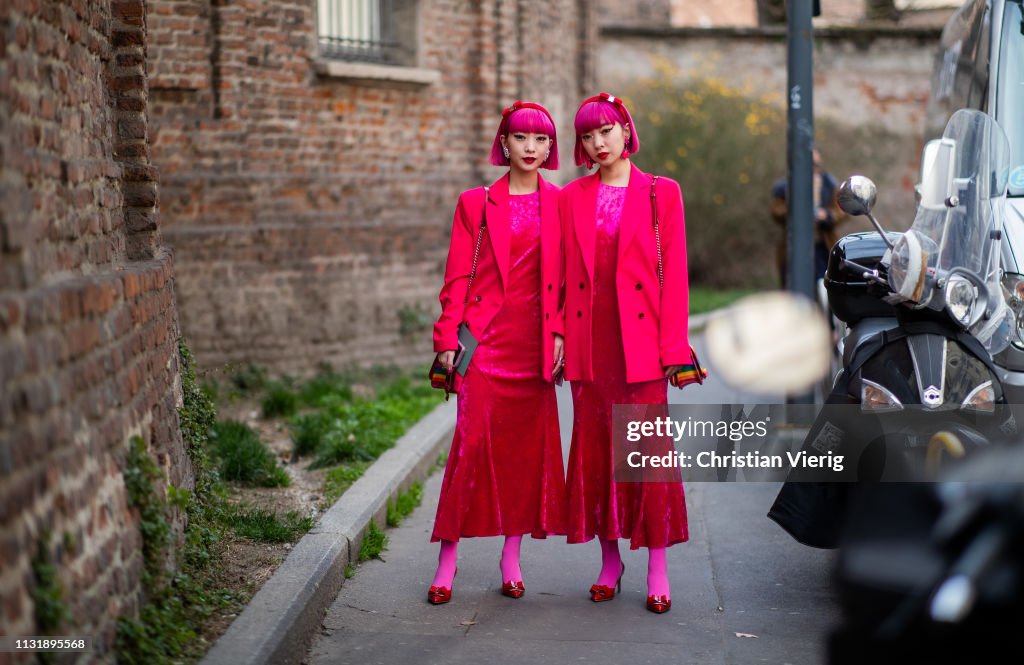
(503, 280)
(626, 309)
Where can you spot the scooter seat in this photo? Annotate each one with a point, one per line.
(864, 330)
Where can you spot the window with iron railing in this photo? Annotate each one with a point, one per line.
(359, 30)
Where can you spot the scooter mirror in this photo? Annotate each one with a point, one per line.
(938, 161)
(857, 195)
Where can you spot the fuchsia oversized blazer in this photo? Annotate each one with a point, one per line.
(488, 291)
(653, 320)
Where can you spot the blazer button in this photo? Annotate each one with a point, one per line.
(641, 315)
(478, 298)
(581, 285)
(549, 287)
(547, 316)
(639, 286)
(579, 314)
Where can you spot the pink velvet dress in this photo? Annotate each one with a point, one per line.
(504, 474)
(649, 514)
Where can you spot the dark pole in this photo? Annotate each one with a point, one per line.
(800, 142)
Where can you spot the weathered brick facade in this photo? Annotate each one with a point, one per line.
(88, 324)
(309, 211)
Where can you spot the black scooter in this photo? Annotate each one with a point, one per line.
(925, 311)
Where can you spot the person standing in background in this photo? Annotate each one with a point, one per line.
(827, 217)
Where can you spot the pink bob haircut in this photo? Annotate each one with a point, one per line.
(525, 117)
(596, 112)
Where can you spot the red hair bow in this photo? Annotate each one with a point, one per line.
(516, 105)
(605, 97)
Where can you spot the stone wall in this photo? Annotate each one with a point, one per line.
(744, 13)
(873, 82)
(88, 324)
(309, 202)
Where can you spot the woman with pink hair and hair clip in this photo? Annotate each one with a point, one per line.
(626, 310)
(503, 280)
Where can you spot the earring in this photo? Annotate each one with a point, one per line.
(504, 150)
(625, 153)
(546, 155)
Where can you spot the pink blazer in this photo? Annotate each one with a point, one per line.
(488, 291)
(653, 320)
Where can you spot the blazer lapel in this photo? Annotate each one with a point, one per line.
(585, 221)
(497, 226)
(636, 210)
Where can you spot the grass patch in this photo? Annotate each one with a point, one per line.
(364, 428)
(374, 542)
(404, 504)
(326, 388)
(279, 401)
(243, 457)
(707, 300)
(340, 478)
(266, 526)
(309, 431)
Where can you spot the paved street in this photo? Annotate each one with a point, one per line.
(743, 592)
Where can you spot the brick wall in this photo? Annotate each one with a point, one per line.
(310, 213)
(88, 325)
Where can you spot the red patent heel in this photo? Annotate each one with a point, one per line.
(439, 595)
(600, 593)
(659, 604)
(512, 589)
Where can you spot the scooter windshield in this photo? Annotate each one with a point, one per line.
(956, 232)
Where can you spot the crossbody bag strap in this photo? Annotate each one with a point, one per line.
(657, 231)
(479, 238)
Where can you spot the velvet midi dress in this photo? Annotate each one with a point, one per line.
(649, 514)
(504, 474)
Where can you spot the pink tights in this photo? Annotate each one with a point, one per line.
(447, 562)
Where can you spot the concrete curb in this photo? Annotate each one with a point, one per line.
(277, 625)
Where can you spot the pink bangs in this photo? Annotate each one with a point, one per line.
(594, 114)
(531, 121)
(526, 120)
